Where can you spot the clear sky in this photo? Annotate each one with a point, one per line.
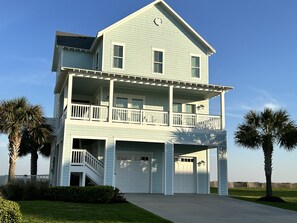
(256, 43)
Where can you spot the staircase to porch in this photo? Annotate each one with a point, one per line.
(84, 162)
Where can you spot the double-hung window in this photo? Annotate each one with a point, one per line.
(195, 66)
(118, 56)
(158, 61)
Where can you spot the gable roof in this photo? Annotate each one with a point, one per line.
(211, 50)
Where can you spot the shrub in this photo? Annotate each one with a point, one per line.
(9, 211)
(22, 190)
(96, 194)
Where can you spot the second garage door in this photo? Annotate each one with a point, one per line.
(133, 173)
(185, 177)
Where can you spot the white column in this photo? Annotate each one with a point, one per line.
(222, 169)
(111, 88)
(222, 110)
(69, 95)
(170, 105)
(109, 162)
(169, 169)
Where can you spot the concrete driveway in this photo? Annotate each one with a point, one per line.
(188, 208)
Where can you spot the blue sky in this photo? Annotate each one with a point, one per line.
(256, 43)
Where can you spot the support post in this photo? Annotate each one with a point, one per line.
(222, 169)
(109, 162)
(169, 169)
(69, 95)
(170, 105)
(111, 88)
(222, 110)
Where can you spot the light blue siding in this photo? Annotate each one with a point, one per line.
(222, 169)
(109, 163)
(169, 169)
(77, 59)
(140, 35)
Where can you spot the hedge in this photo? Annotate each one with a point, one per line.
(21, 190)
(9, 211)
(96, 194)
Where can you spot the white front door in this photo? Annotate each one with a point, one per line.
(185, 176)
(133, 173)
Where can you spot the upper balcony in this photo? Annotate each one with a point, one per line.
(94, 96)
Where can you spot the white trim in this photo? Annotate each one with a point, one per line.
(133, 15)
(200, 67)
(103, 53)
(140, 140)
(153, 60)
(112, 55)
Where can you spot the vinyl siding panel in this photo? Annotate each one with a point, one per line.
(140, 35)
(77, 59)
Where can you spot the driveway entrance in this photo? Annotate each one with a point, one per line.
(192, 208)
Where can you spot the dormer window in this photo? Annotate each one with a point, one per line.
(195, 66)
(118, 56)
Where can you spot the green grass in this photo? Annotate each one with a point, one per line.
(252, 194)
(66, 212)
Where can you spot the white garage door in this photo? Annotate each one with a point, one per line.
(133, 173)
(184, 178)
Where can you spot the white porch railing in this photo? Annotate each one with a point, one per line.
(155, 117)
(144, 117)
(81, 157)
(89, 112)
(126, 115)
(208, 122)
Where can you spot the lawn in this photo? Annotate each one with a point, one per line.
(252, 194)
(66, 212)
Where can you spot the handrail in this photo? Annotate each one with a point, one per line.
(81, 157)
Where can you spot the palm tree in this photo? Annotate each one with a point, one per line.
(35, 140)
(264, 130)
(15, 116)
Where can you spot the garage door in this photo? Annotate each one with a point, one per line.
(184, 179)
(133, 173)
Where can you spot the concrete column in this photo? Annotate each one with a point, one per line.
(169, 169)
(223, 110)
(170, 105)
(222, 169)
(109, 162)
(111, 89)
(69, 95)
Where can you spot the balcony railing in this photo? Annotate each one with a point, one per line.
(144, 117)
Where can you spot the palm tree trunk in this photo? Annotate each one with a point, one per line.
(268, 170)
(11, 171)
(34, 159)
(14, 144)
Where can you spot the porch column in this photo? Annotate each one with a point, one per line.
(222, 169)
(109, 162)
(69, 95)
(111, 88)
(169, 169)
(222, 110)
(170, 122)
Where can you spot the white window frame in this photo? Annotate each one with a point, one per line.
(200, 67)
(129, 97)
(153, 60)
(184, 103)
(112, 55)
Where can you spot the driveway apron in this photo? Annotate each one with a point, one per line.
(193, 208)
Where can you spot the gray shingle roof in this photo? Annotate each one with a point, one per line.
(74, 40)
